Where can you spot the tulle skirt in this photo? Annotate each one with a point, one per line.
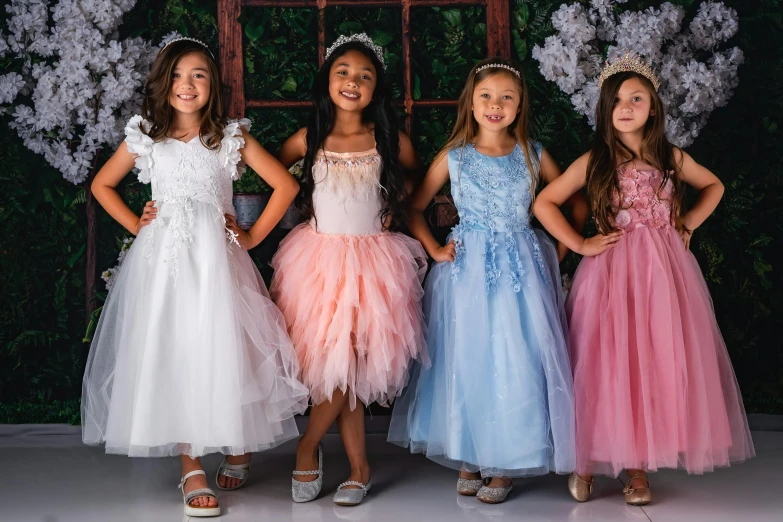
(352, 304)
(192, 364)
(498, 397)
(653, 381)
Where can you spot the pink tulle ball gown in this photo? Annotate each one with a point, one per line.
(653, 383)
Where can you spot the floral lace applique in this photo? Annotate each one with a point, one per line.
(182, 173)
(641, 200)
(501, 193)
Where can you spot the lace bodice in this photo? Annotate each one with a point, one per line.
(493, 196)
(642, 201)
(347, 193)
(180, 169)
(182, 173)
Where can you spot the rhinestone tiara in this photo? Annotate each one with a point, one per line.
(498, 66)
(628, 63)
(364, 40)
(181, 38)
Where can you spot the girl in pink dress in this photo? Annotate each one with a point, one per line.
(349, 288)
(653, 383)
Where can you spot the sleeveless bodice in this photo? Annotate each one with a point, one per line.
(347, 193)
(493, 197)
(492, 193)
(641, 200)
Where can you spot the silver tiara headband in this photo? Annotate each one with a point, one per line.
(363, 39)
(181, 38)
(499, 66)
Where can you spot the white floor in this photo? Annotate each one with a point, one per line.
(53, 478)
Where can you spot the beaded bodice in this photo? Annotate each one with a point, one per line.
(347, 192)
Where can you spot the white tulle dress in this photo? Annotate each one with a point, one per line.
(190, 355)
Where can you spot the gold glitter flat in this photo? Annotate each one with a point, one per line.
(637, 496)
(580, 488)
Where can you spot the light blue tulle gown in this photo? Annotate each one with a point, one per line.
(498, 397)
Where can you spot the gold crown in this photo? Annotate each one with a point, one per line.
(628, 63)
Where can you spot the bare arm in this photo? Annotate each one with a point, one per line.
(436, 177)
(411, 163)
(104, 188)
(284, 190)
(547, 210)
(576, 203)
(293, 149)
(710, 193)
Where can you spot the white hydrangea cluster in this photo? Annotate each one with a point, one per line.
(79, 83)
(110, 274)
(695, 76)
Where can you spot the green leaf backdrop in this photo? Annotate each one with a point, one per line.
(43, 229)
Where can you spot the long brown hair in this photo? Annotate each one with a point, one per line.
(156, 107)
(609, 154)
(466, 126)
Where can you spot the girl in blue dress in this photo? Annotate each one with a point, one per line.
(497, 401)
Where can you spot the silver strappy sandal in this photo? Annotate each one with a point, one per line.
(237, 471)
(198, 511)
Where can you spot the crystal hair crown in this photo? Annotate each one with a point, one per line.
(363, 39)
(181, 38)
(498, 66)
(628, 63)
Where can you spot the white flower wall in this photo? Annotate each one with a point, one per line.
(695, 75)
(79, 83)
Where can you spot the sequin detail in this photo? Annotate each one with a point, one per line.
(354, 174)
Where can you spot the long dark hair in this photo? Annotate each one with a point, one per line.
(379, 113)
(609, 154)
(156, 107)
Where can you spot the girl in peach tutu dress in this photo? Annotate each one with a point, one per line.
(349, 288)
(653, 383)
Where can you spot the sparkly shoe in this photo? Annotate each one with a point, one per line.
(469, 487)
(237, 471)
(637, 496)
(580, 488)
(490, 495)
(351, 497)
(307, 491)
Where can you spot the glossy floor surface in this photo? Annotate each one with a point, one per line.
(48, 476)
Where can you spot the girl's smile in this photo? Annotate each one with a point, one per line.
(496, 102)
(352, 81)
(190, 86)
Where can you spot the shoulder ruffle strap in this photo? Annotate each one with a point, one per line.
(141, 145)
(233, 141)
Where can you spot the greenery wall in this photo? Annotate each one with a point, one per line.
(43, 230)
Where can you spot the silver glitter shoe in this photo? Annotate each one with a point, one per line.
(493, 495)
(307, 491)
(469, 487)
(351, 497)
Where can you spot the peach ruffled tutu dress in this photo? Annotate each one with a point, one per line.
(350, 292)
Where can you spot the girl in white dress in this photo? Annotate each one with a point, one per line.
(190, 356)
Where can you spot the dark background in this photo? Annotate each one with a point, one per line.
(43, 225)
